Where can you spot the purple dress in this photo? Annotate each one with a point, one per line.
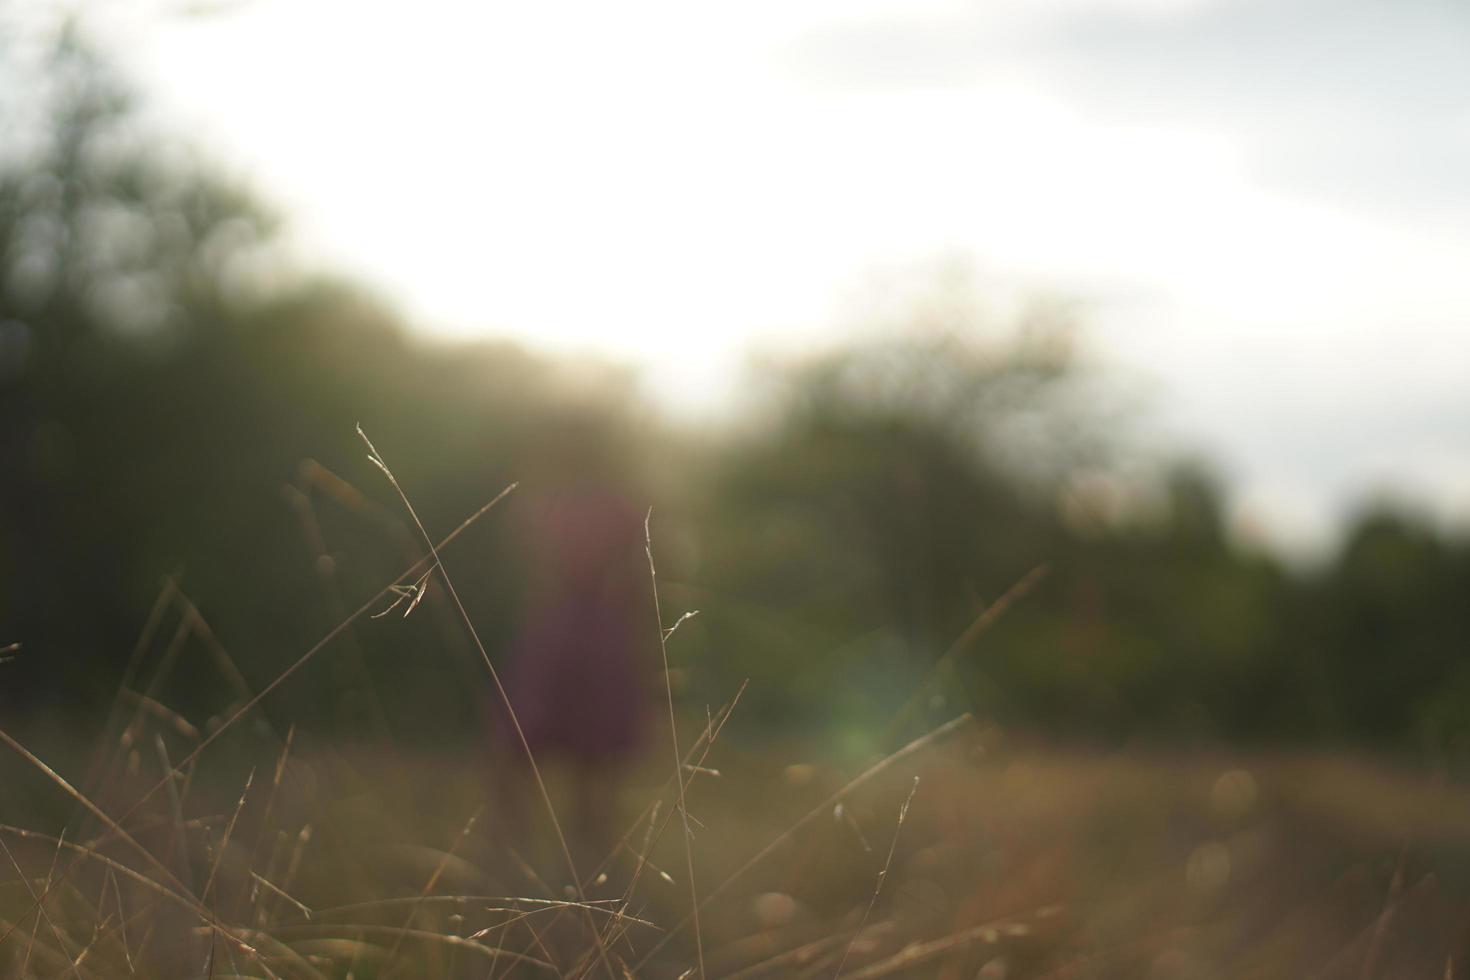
(576, 674)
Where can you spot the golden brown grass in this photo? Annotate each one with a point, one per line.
(1013, 862)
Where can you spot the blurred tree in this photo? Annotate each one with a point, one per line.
(161, 386)
(1393, 618)
(901, 484)
(114, 250)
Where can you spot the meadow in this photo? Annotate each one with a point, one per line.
(229, 846)
(935, 660)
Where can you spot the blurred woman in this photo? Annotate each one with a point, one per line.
(580, 667)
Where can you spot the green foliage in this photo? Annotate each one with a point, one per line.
(163, 413)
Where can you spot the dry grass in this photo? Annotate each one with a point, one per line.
(1012, 862)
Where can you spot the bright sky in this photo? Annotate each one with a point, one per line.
(1261, 204)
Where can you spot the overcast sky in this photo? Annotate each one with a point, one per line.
(1261, 205)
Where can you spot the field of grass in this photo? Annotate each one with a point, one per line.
(229, 847)
(1010, 862)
